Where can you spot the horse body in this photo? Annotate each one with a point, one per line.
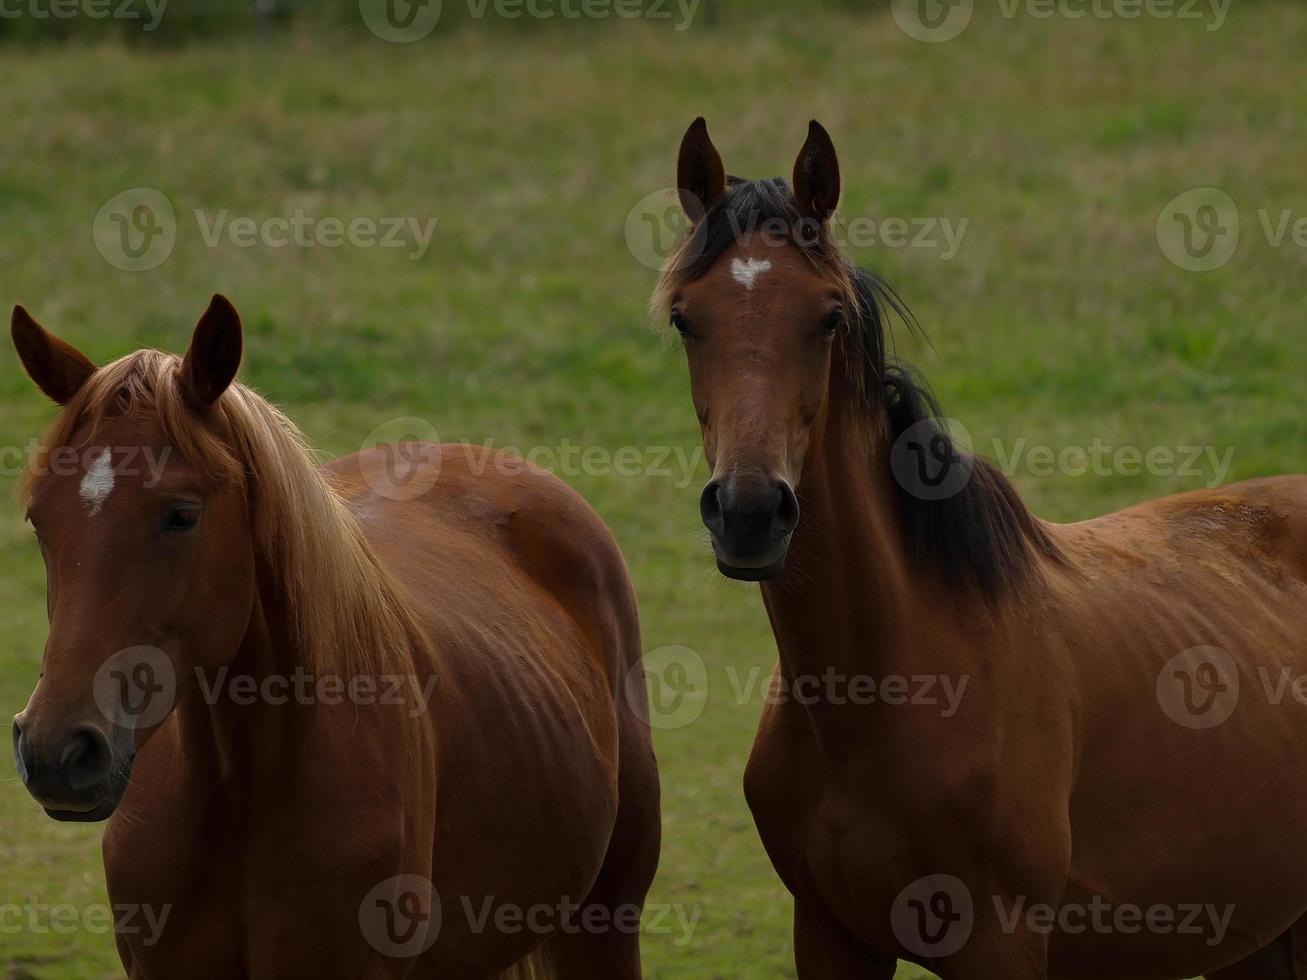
(1059, 781)
(1000, 748)
(532, 627)
(458, 784)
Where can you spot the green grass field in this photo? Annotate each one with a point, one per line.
(1060, 322)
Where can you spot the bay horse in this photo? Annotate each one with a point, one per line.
(390, 733)
(1101, 801)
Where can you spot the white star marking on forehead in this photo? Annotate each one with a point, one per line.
(97, 484)
(746, 273)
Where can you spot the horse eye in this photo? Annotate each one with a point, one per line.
(834, 320)
(181, 517)
(679, 323)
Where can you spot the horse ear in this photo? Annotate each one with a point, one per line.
(700, 175)
(214, 355)
(817, 174)
(58, 368)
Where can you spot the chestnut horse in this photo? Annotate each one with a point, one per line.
(342, 724)
(1116, 791)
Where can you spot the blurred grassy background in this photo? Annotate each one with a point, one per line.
(1059, 322)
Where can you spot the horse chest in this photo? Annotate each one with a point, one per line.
(237, 874)
(830, 850)
(846, 834)
(196, 904)
(238, 895)
(805, 817)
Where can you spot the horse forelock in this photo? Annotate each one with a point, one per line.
(761, 209)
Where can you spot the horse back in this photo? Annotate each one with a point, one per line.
(493, 531)
(1259, 524)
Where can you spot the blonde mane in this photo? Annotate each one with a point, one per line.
(348, 613)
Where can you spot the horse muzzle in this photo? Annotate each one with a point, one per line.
(751, 522)
(74, 775)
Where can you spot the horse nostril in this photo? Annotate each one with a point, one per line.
(787, 510)
(710, 507)
(18, 751)
(86, 759)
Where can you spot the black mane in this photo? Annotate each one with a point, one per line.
(982, 535)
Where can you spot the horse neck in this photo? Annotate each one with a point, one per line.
(237, 742)
(844, 607)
